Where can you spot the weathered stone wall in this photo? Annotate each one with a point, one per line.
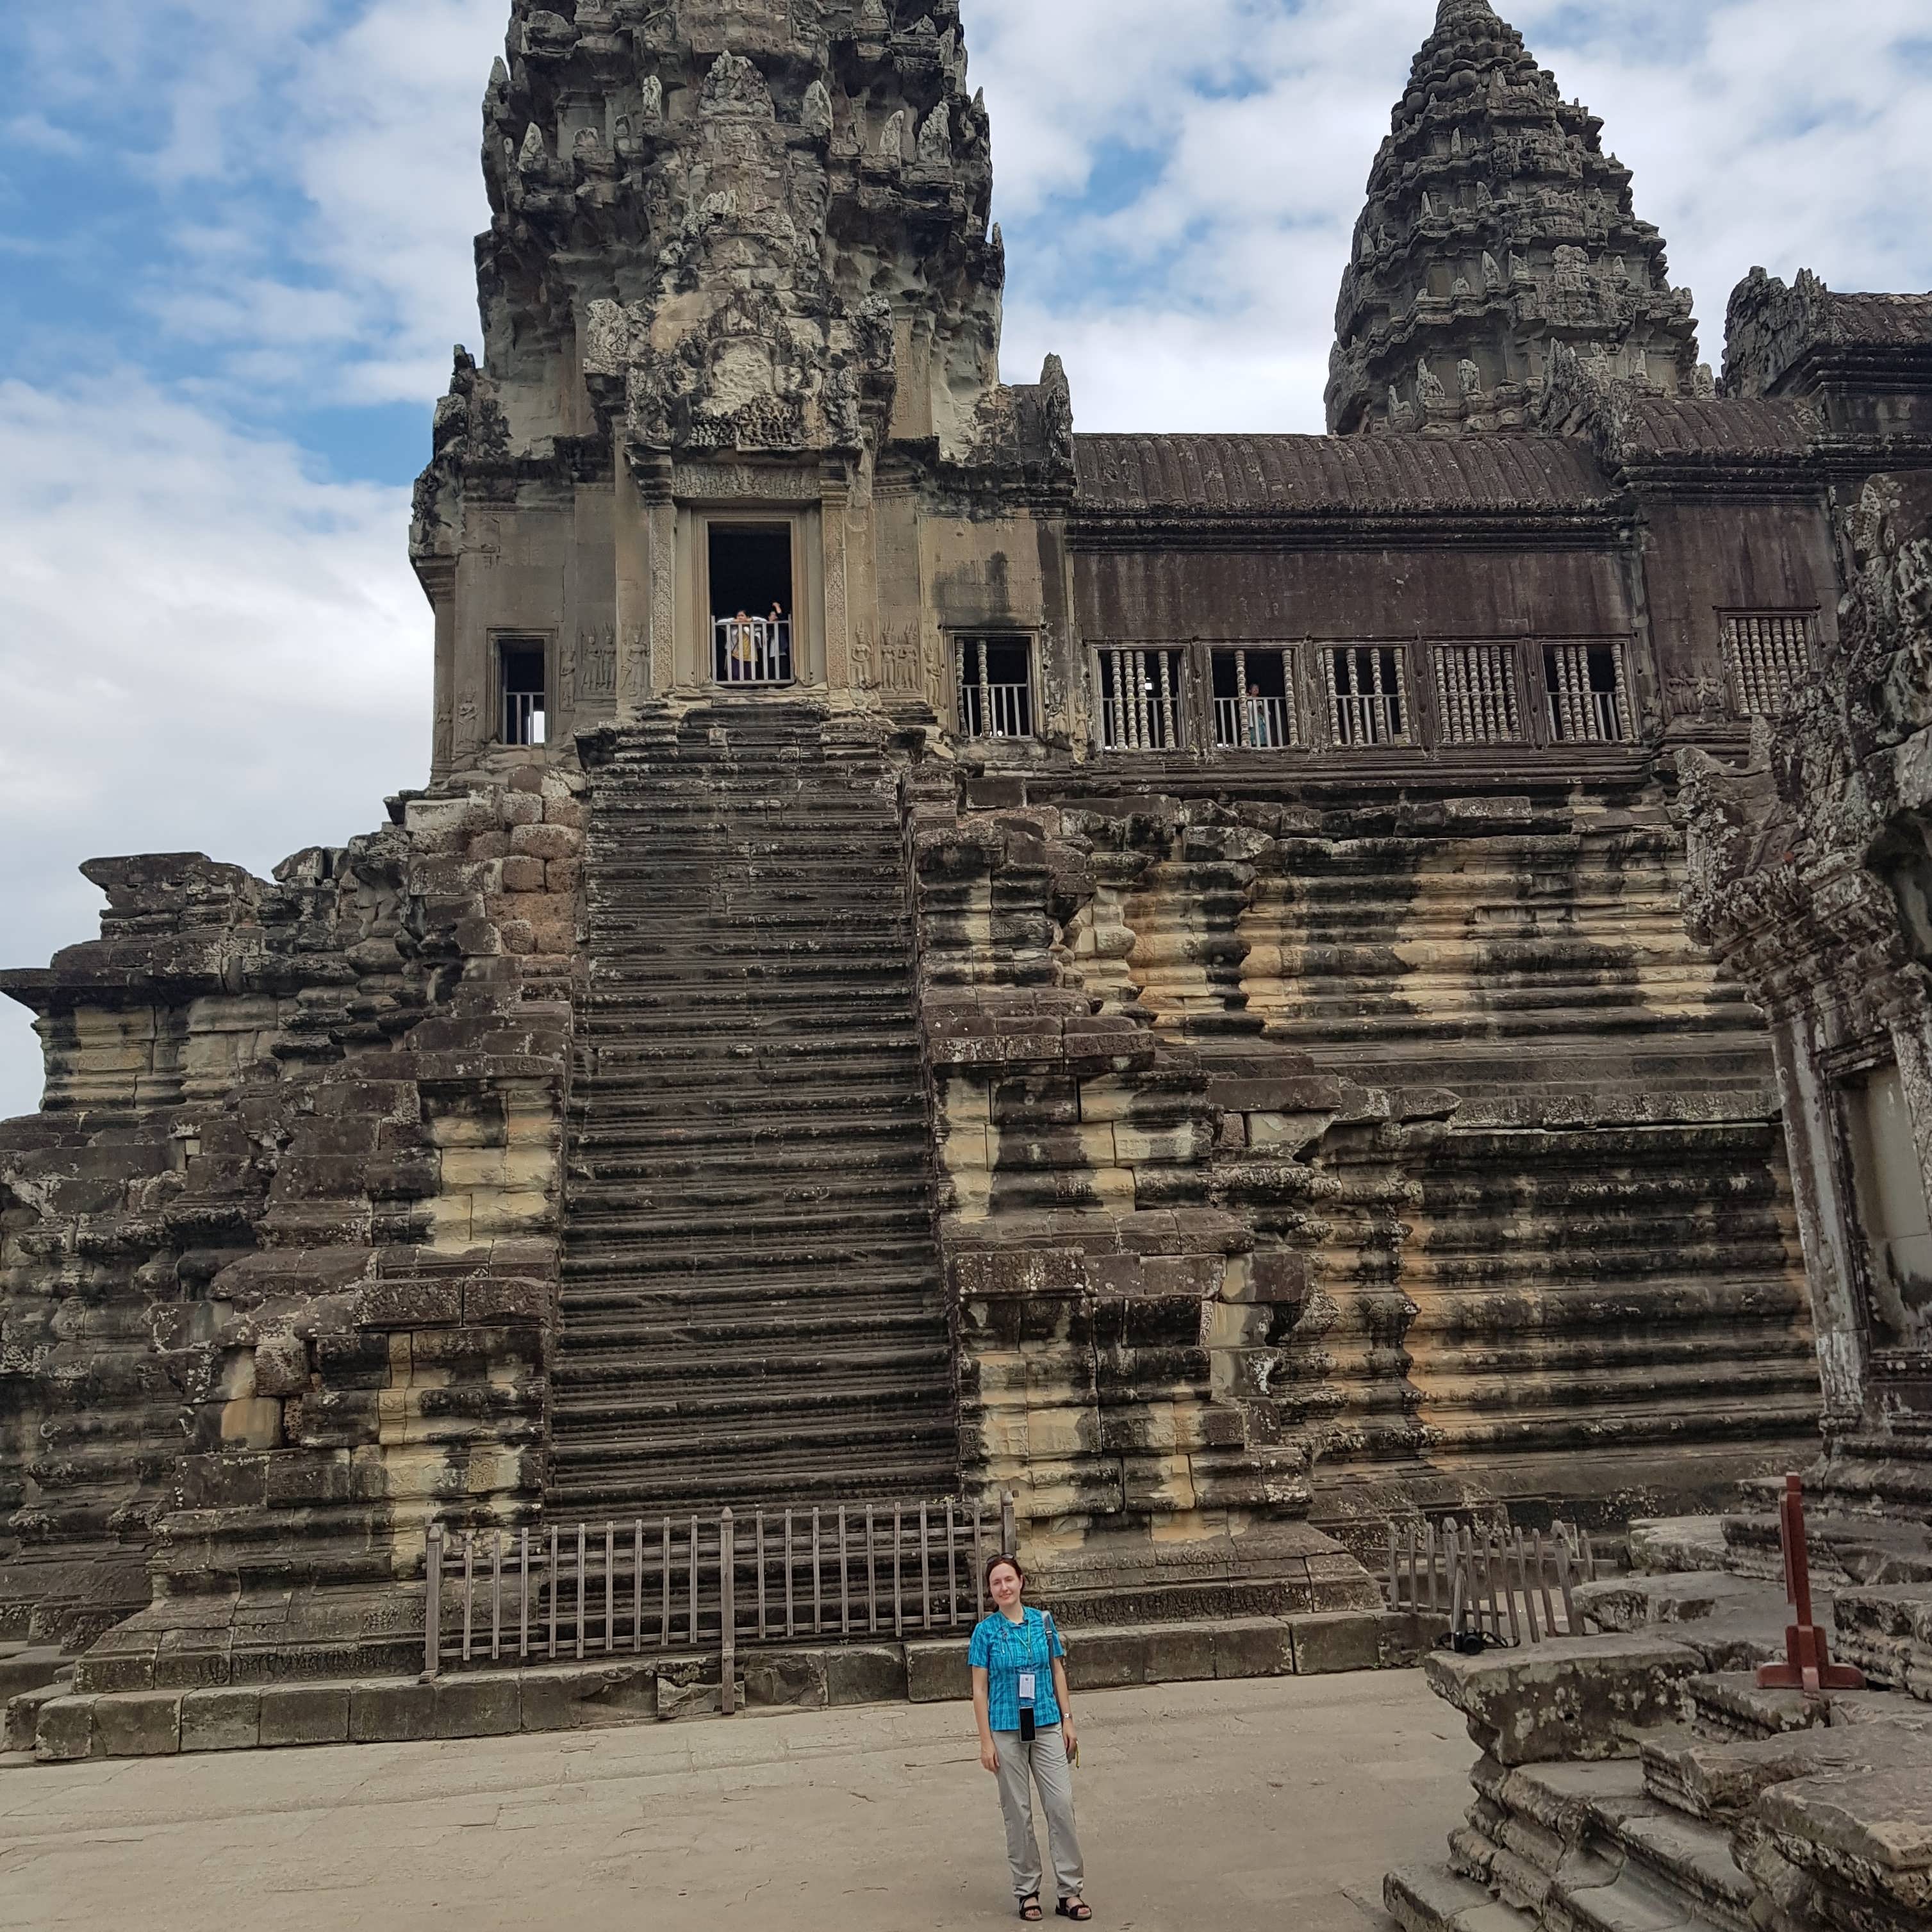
(1351, 1156)
(280, 1279)
(1808, 875)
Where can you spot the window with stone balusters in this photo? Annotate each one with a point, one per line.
(1589, 692)
(1478, 695)
(996, 690)
(1769, 655)
(1143, 698)
(1366, 691)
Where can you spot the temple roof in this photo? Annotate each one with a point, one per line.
(1494, 228)
(1287, 474)
(1774, 330)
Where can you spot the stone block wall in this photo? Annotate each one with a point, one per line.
(295, 1191)
(1461, 1164)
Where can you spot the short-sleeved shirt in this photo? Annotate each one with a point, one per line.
(1002, 1648)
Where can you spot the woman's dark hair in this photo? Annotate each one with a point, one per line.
(1004, 1562)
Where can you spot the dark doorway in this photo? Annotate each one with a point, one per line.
(520, 675)
(752, 612)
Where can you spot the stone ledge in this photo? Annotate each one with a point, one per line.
(66, 1728)
(1101, 1657)
(1431, 1898)
(1586, 1698)
(155, 1723)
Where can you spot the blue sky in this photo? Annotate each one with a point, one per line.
(234, 251)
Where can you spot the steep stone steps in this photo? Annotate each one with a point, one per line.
(692, 1347)
(627, 1127)
(736, 1309)
(752, 1306)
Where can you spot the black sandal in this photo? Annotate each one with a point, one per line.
(1077, 1910)
(1030, 1907)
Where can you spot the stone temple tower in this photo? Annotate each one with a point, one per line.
(1497, 234)
(739, 281)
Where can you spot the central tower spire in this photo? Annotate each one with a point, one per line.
(743, 225)
(1496, 228)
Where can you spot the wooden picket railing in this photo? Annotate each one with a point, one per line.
(708, 1584)
(1483, 1579)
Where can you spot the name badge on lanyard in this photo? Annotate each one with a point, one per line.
(1029, 1686)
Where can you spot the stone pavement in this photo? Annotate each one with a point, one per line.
(1234, 1807)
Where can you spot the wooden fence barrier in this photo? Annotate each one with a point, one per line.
(1506, 1584)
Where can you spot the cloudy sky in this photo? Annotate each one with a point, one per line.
(235, 251)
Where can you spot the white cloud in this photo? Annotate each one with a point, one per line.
(203, 649)
(1754, 139)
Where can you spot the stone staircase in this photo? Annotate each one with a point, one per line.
(752, 1309)
(1639, 1781)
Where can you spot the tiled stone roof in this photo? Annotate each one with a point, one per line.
(1287, 474)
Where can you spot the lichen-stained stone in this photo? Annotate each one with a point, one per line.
(304, 1714)
(1863, 1837)
(147, 1724)
(221, 1720)
(478, 1707)
(64, 1730)
(1585, 1699)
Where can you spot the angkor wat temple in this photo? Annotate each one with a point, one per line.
(942, 956)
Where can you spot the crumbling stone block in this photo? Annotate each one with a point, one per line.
(221, 1720)
(304, 1714)
(481, 1706)
(392, 1712)
(65, 1731)
(1588, 1698)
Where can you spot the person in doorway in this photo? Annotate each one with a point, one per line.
(744, 648)
(1027, 1737)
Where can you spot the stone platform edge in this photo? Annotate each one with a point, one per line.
(57, 1727)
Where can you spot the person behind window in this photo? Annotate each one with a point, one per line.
(744, 635)
(1261, 727)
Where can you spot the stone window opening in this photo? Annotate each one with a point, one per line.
(752, 611)
(1588, 694)
(1254, 700)
(1888, 1184)
(1769, 655)
(523, 679)
(1477, 700)
(1368, 696)
(1143, 699)
(996, 698)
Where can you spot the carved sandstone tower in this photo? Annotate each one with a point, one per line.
(740, 299)
(1496, 232)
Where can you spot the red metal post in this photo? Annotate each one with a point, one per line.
(1807, 1665)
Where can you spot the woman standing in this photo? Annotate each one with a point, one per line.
(1026, 1736)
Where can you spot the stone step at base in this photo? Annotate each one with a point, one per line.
(1432, 1898)
(602, 1691)
(1582, 1844)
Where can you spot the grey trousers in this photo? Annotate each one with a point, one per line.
(1022, 1766)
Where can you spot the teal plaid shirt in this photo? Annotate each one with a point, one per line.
(1002, 1648)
